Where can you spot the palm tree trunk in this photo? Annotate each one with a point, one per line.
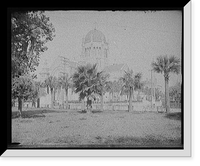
(167, 102)
(66, 92)
(130, 100)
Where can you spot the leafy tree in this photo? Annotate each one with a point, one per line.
(166, 65)
(22, 89)
(158, 94)
(175, 92)
(64, 82)
(52, 84)
(85, 81)
(30, 31)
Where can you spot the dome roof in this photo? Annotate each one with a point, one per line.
(94, 36)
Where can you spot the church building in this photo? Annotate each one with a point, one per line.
(95, 50)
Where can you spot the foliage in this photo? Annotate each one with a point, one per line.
(85, 81)
(128, 80)
(131, 82)
(51, 83)
(102, 83)
(114, 87)
(30, 31)
(166, 65)
(64, 81)
(175, 92)
(138, 84)
(36, 90)
(22, 87)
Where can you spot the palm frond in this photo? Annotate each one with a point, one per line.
(175, 68)
(158, 65)
(165, 64)
(174, 65)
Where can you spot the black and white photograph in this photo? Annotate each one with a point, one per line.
(89, 79)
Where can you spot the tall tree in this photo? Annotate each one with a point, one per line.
(22, 89)
(138, 84)
(101, 85)
(30, 31)
(166, 65)
(128, 81)
(51, 83)
(84, 81)
(64, 82)
(131, 82)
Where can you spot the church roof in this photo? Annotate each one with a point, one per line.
(114, 68)
(95, 36)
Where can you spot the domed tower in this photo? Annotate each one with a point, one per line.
(95, 49)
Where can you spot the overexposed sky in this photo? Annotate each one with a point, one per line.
(135, 37)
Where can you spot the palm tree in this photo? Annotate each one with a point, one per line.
(128, 86)
(64, 82)
(109, 89)
(85, 81)
(138, 85)
(166, 65)
(131, 82)
(101, 86)
(51, 83)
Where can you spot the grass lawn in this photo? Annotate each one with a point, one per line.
(61, 128)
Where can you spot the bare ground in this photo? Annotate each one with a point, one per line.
(61, 128)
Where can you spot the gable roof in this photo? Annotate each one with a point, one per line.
(114, 68)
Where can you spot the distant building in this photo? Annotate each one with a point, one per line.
(95, 50)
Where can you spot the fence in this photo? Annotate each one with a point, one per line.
(115, 106)
(136, 106)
